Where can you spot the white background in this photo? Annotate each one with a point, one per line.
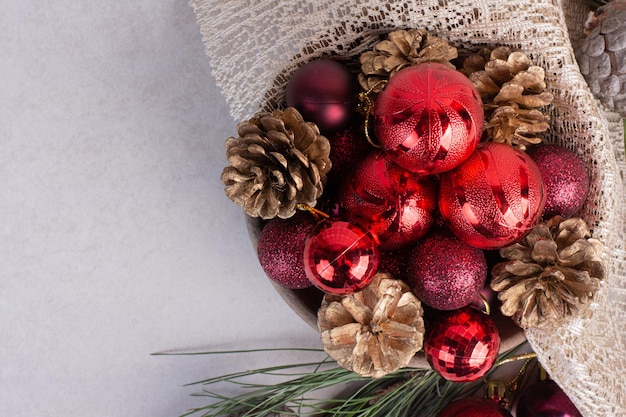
(116, 240)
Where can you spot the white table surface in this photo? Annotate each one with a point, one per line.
(116, 240)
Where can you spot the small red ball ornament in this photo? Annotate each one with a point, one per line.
(474, 407)
(494, 198)
(565, 179)
(445, 272)
(546, 399)
(462, 345)
(347, 148)
(429, 118)
(325, 93)
(340, 257)
(397, 205)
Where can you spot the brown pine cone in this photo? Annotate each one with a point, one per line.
(513, 91)
(278, 161)
(552, 274)
(401, 49)
(374, 331)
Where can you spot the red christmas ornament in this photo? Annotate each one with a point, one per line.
(340, 257)
(462, 345)
(565, 179)
(429, 118)
(397, 205)
(474, 407)
(494, 198)
(446, 273)
(325, 93)
(546, 399)
(281, 250)
(347, 148)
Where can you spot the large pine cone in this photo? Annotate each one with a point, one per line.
(552, 274)
(277, 162)
(601, 55)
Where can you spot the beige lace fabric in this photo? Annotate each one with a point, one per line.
(254, 45)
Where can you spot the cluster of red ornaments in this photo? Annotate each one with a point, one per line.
(426, 203)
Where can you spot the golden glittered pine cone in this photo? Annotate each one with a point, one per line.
(513, 93)
(401, 49)
(277, 162)
(551, 275)
(374, 331)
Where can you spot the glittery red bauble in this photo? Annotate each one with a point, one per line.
(397, 205)
(347, 148)
(429, 118)
(462, 345)
(474, 407)
(546, 399)
(446, 273)
(494, 198)
(324, 92)
(281, 250)
(565, 179)
(340, 257)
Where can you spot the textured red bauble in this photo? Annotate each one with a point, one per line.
(397, 205)
(462, 345)
(565, 179)
(429, 118)
(325, 93)
(281, 250)
(474, 407)
(494, 198)
(545, 399)
(445, 272)
(340, 257)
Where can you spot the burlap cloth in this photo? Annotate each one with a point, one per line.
(254, 46)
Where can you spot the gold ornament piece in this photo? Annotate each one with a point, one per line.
(401, 49)
(374, 331)
(513, 93)
(551, 275)
(278, 161)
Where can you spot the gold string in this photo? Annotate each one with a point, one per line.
(367, 105)
(315, 212)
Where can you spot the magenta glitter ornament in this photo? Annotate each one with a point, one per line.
(340, 257)
(325, 93)
(281, 250)
(462, 345)
(429, 118)
(494, 198)
(474, 407)
(565, 179)
(546, 399)
(397, 205)
(446, 273)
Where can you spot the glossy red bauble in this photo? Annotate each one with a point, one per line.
(429, 118)
(474, 407)
(462, 345)
(397, 205)
(546, 399)
(325, 93)
(340, 257)
(565, 179)
(445, 272)
(494, 198)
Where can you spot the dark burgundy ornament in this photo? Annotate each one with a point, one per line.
(340, 257)
(474, 407)
(347, 148)
(429, 118)
(397, 205)
(325, 93)
(494, 198)
(462, 345)
(565, 179)
(545, 399)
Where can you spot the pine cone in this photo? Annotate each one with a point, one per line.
(278, 161)
(374, 331)
(402, 48)
(601, 55)
(512, 90)
(552, 274)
